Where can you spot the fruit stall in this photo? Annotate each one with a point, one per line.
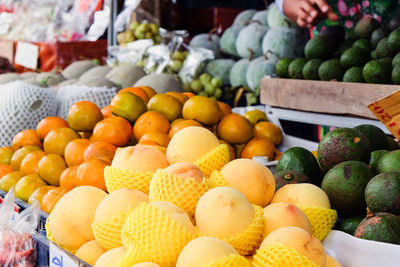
(144, 136)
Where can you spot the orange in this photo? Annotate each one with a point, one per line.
(176, 121)
(137, 91)
(255, 116)
(6, 155)
(181, 97)
(29, 165)
(268, 130)
(150, 121)
(83, 116)
(73, 153)
(48, 124)
(188, 94)
(235, 129)
(162, 139)
(115, 130)
(128, 106)
(149, 143)
(202, 109)
(85, 135)
(51, 198)
(238, 149)
(225, 108)
(91, 173)
(39, 193)
(100, 150)
(56, 140)
(5, 169)
(68, 177)
(182, 124)
(24, 138)
(232, 153)
(167, 105)
(20, 154)
(258, 147)
(106, 111)
(50, 168)
(149, 91)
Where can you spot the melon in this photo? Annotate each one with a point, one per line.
(68, 82)
(29, 75)
(259, 68)
(206, 40)
(237, 75)
(125, 75)
(90, 252)
(252, 179)
(181, 148)
(139, 158)
(280, 215)
(223, 212)
(249, 40)
(244, 17)
(262, 16)
(8, 77)
(285, 42)
(227, 42)
(299, 239)
(277, 19)
(71, 219)
(110, 258)
(220, 68)
(75, 69)
(97, 82)
(202, 251)
(302, 195)
(98, 72)
(186, 170)
(162, 83)
(176, 213)
(49, 78)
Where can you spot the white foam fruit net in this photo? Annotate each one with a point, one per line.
(22, 106)
(70, 94)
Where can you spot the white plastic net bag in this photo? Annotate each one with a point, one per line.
(70, 94)
(22, 106)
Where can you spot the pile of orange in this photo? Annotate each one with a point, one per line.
(45, 163)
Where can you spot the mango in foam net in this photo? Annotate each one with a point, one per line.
(117, 178)
(214, 159)
(155, 232)
(216, 180)
(171, 188)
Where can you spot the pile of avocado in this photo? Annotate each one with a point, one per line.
(369, 53)
(359, 170)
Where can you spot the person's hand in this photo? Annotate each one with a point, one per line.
(307, 13)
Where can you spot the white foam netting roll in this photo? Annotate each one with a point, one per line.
(22, 106)
(70, 94)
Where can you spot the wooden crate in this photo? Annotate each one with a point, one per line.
(338, 98)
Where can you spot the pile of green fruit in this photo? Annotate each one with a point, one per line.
(177, 60)
(359, 170)
(368, 53)
(206, 85)
(137, 31)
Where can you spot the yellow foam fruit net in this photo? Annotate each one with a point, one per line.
(279, 255)
(216, 180)
(233, 260)
(171, 188)
(108, 233)
(117, 178)
(154, 236)
(50, 236)
(214, 159)
(322, 220)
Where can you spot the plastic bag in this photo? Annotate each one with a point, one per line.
(194, 63)
(17, 248)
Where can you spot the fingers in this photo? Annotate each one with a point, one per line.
(303, 19)
(310, 12)
(323, 6)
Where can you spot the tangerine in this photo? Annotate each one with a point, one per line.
(150, 121)
(24, 138)
(83, 116)
(91, 173)
(57, 140)
(258, 147)
(50, 168)
(39, 193)
(232, 152)
(188, 94)
(29, 165)
(74, 151)
(20, 154)
(202, 109)
(225, 108)
(4, 170)
(235, 129)
(176, 121)
(268, 130)
(181, 97)
(107, 111)
(6, 155)
(48, 124)
(162, 139)
(51, 198)
(182, 124)
(128, 105)
(149, 91)
(137, 91)
(68, 177)
(115, 130)
(166, 105)
(255, 116)
(100, 150)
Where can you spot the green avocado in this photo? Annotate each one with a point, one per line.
(350, 224)
(376, 137)
(353, 75)
(290, 177)
(376, 71)
(364, 44)
(390, 162)
(296, 68)
(381, 227)
(365, 27)
(282, 67)
(396, 60)
(376, 36)
(384, 49)
(331, 70)
(394, 41)
(354, 56)
(393, 144)
(375, 157)
(310, 70)
(382, 193)
(321, 46)
(396, 74)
